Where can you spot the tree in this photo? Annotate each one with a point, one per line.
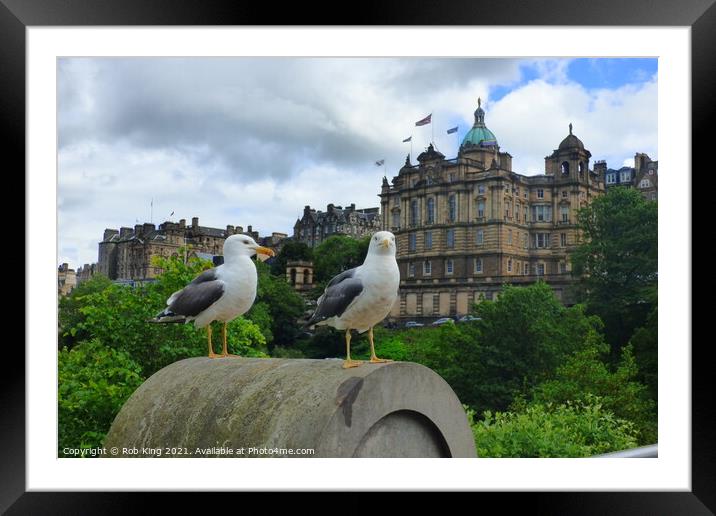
(525, 335)
(94, 381)
(337, 254)
(291, 250)
(584, 374)
(69, 314)
(645, 342)
(617, 261)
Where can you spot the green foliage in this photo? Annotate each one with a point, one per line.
(290, 251)
(572, 429)
(277, 308)
(617, 261)
(69, 310)
(584, 375)
(94, 382)
(337, 254)
(645, 343)
(118, 316)
(524, 336)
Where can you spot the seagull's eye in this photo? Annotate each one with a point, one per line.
(245, 242)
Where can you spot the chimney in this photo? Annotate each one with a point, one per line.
(124, 232)
(195, 222)
(148, 228)
(239, 229)
(306, 210)
(137, 229)
(600, 167)
(249, 230)
(229, 229)
(353, 206)
(109, 233)
(330, 208)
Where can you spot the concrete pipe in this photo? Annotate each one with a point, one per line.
(248, 407)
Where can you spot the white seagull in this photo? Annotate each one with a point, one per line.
(219, 294)
(359, 298)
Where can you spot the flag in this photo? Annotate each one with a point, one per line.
(171, 214)
(409, 138)
(379, 163)
(453, 130)
(425, 120)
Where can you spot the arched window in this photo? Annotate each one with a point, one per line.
(293, 276)
(431, 210)
(307, 276)
(565, 168)
(581, 167)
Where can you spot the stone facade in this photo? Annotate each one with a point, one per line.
(644, 175)
(299, 274)
(316, 226)
(127, 254)
(66, 279)
(468, 225)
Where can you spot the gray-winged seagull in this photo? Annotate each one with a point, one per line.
(359, 298)
(219, 294)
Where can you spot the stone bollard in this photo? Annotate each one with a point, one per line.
(250, 407)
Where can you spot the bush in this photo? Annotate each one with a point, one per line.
(94, 382)
(580, 429)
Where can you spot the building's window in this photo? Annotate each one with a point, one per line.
(610, 179)
(480, 209)
(541, 240)
(651, 172)
(509, 265)
(396, 200)
(414, 214)
(517, 191)
(541, 213)
(645, 183)
(427, 268)
(411, 270)
(428, 240)
(517, 212)
(411, 242)
(509, 237)
(625, 176)
(526, 271)
(525, 238)
(563, 239)
(540, 193)
(653, 196)
(565, 213)
(562, 267)
(508, 207)
(565, 168)
(448, 266)
(581, 168)
(478, 265)
(452, 207)
(481, 189)
(413, 182)
(525, 213)
(480, 237)
(564, 194)
(539, 269)
(451, 177)
(450, 238)
(431, 210)
(396, 219)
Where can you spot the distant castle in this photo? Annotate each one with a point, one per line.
(126, 254)
(316, 226)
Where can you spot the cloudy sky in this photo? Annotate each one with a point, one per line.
(250, 141)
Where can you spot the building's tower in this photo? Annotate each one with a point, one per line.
(570, 161)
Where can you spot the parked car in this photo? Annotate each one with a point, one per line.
(443, 320)
(413, 324)
(468, 318)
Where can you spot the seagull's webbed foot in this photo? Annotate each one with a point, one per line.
(376, 360)
(347, 364)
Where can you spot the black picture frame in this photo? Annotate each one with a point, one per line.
(700, 15)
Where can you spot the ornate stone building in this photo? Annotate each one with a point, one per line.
(127, 254)
(465, 226)
(644, 175)
(315, 226)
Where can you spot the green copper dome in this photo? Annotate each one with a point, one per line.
(479, 134)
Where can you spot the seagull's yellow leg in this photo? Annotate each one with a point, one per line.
(348, 362)
(374, 359)
(211, 348)
(225, 352)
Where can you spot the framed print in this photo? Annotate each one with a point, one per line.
(138, 57)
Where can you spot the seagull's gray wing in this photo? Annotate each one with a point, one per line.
(197, 296)
(337, 297)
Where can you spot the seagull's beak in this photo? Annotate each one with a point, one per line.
(263, 253)
(385, 243)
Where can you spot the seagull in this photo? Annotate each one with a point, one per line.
(359, 298)
(219, 294)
